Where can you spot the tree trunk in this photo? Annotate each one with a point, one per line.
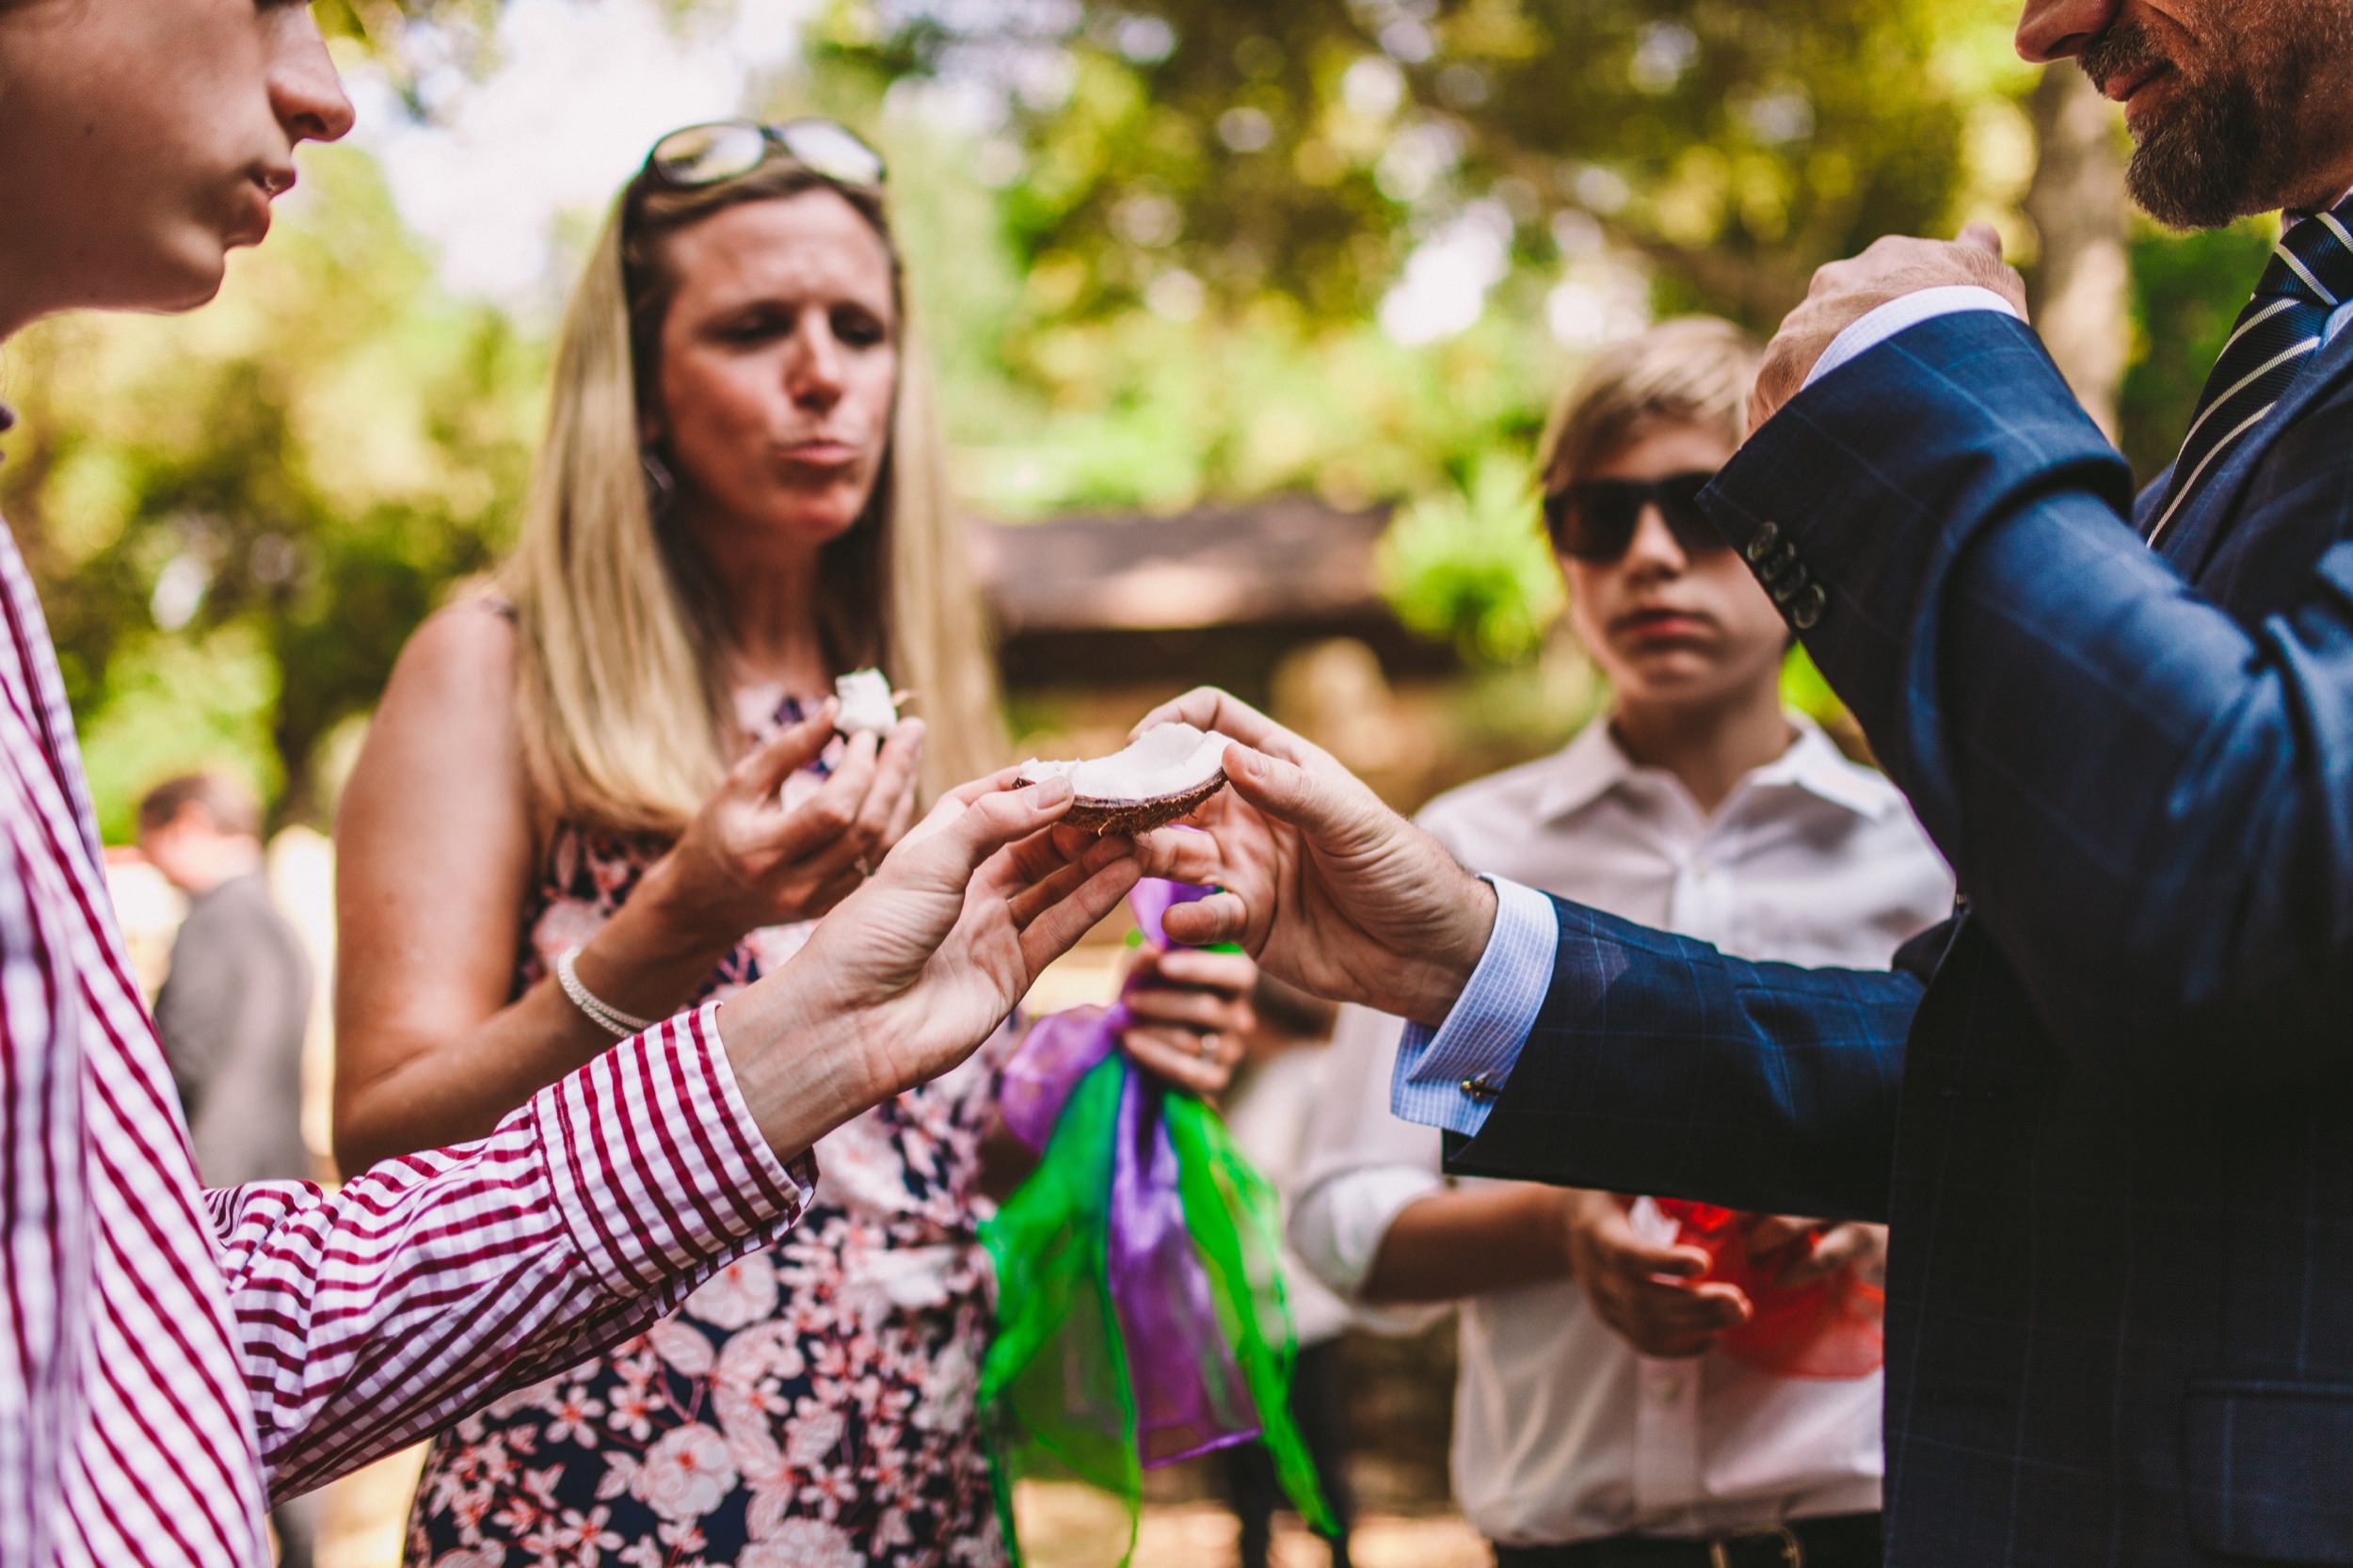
(2080, 291)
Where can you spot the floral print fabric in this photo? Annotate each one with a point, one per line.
(810, 1407)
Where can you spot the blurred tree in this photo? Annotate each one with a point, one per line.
(2080, 293)
(1308, 148)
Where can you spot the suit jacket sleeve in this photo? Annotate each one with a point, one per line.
(1661, 1065)
(2149, 804)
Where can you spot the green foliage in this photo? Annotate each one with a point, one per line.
(1470, 566)
(2187, 291)
(176, 705)
(1304, 150)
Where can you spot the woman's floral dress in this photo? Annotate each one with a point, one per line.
(810, 1407)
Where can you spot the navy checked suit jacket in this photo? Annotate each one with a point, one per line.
(2108, 1109)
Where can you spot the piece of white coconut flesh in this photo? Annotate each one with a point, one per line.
(866, 703)
(1168, 770)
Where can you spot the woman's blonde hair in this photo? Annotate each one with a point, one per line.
(626, 723)
(1691, 371)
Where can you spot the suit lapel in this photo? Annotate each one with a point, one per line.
(2191, 540)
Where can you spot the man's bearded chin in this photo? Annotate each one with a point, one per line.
(2233, 141)
(2213, 160)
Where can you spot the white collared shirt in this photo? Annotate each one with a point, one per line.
(1562, 1431)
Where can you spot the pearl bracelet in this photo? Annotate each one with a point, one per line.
(606, 1016)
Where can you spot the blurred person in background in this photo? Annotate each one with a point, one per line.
(233, 1014)
(233, 1011)
(613, 788)
(174, 1359)
(1596, 1419)
(1268, 1110)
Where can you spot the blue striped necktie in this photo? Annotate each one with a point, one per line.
(2311, 275)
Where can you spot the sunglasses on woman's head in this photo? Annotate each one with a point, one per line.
(730, 149)
(1594, 520)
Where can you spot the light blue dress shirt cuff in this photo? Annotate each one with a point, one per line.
(1909, 309)
(1449, 1077)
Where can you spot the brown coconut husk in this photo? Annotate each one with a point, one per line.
(1103, 818)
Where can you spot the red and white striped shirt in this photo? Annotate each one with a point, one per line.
(168, 1355)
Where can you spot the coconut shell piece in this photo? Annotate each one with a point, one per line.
(1105, 817)
(1158, 777)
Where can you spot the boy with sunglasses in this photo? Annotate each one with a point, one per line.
(1598, 1419)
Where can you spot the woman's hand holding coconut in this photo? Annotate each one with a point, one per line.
(760, 853)
(1326, 887)
(916, 969)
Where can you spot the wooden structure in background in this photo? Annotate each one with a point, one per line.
(1219, 594)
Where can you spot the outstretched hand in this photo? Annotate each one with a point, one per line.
(909, 974)
(1326, 887)
(1846, 291)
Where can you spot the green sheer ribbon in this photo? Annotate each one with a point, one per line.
(1058, 1392)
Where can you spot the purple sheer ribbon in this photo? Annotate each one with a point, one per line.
(1060, 1049)
(1190, 1396)
(1152, 899)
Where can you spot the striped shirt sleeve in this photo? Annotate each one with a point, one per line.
(371, 1317)
(40, 1161)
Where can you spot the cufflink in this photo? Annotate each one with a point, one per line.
(1480, 1087)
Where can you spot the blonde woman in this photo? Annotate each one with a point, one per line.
(616, 788)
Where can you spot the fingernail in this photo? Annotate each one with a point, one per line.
(1048, 792)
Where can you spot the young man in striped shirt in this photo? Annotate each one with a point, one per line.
(172, 1358)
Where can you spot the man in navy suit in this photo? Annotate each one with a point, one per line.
(2109, 1107)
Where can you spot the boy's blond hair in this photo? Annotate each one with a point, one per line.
(1694, 371)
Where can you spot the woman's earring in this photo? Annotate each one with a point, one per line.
(661, 489)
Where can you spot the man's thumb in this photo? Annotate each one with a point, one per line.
(1983, 237)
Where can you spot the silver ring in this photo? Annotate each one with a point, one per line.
(863, 869)
(1207, 1048)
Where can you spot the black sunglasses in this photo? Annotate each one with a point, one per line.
(724, 149)
(1594, 520)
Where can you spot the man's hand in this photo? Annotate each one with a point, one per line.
(1328, 889)
(1846, 291)
(1651, 1296)
(908, 975)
